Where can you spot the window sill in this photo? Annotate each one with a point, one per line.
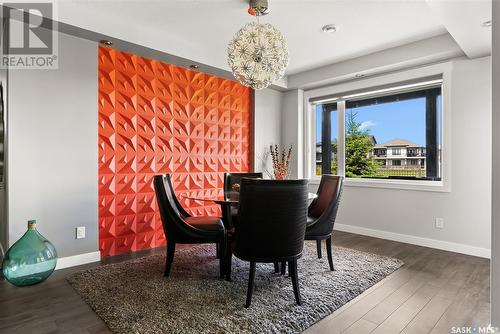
(432, 186)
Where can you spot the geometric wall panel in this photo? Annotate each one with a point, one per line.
(158, 118)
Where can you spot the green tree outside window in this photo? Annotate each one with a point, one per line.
(357, 148)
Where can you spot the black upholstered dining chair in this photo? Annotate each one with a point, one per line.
(180, 228)
(272, 221)
(322, 213)
(230, 179)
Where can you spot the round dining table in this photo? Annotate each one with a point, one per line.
(231, 199)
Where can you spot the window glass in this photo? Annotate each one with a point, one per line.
(381, 128)
(396, 151)
(326, 138)
(387, 136)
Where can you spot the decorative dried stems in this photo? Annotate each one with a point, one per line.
(281, 161)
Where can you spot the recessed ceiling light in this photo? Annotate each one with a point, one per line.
(329, 28)
(194, 66)
(486, 24)
(106, 42)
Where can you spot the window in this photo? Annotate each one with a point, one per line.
(326, 138)
(396, 151)
(412, 152)
(379, 124)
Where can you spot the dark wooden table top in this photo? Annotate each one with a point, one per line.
(217, 200)
(232, 199)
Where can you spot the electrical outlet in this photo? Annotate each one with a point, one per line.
(80, 232)
(439, 222)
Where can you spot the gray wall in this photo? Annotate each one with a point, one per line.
(495, 233)
(268, 103)
(52, 153)
(3, 207)
(291, 132)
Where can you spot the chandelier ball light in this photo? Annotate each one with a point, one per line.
(258, 53)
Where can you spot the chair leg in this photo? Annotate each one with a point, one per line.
(229, 260)
(217, 251)
(222, 257)
(318, 247)
(170, 257)
(276, 267)
(295, 280)
(283, 268)
(250, 284)
(329, 252)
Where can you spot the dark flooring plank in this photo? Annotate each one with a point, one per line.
(402, 316)
(389, 305)
(427, 318)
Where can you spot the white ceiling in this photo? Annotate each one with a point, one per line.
(200, 29)
(462, 19)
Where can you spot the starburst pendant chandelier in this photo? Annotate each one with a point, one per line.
(258, 54)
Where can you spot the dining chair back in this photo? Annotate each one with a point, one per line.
(230, 179)
(180, 227)
(324, 207)
(322, 213)
(272, 220)
(174, 227)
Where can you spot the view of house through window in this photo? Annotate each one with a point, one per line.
(390, 137)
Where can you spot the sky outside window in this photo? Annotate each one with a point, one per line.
(319, 117)
(387, 121)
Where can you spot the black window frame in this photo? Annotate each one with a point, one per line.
(326, 140)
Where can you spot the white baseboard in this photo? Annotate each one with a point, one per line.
(76, 260)
(419, 241)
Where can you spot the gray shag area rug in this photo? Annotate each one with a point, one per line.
(134, 297)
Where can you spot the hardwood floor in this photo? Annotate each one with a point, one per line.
(434, 291)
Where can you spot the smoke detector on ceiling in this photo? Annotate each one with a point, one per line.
(329, 28)
(486, 24)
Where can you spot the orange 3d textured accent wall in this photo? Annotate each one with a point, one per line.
(159, 118)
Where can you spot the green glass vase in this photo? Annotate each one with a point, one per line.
(31, 260)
